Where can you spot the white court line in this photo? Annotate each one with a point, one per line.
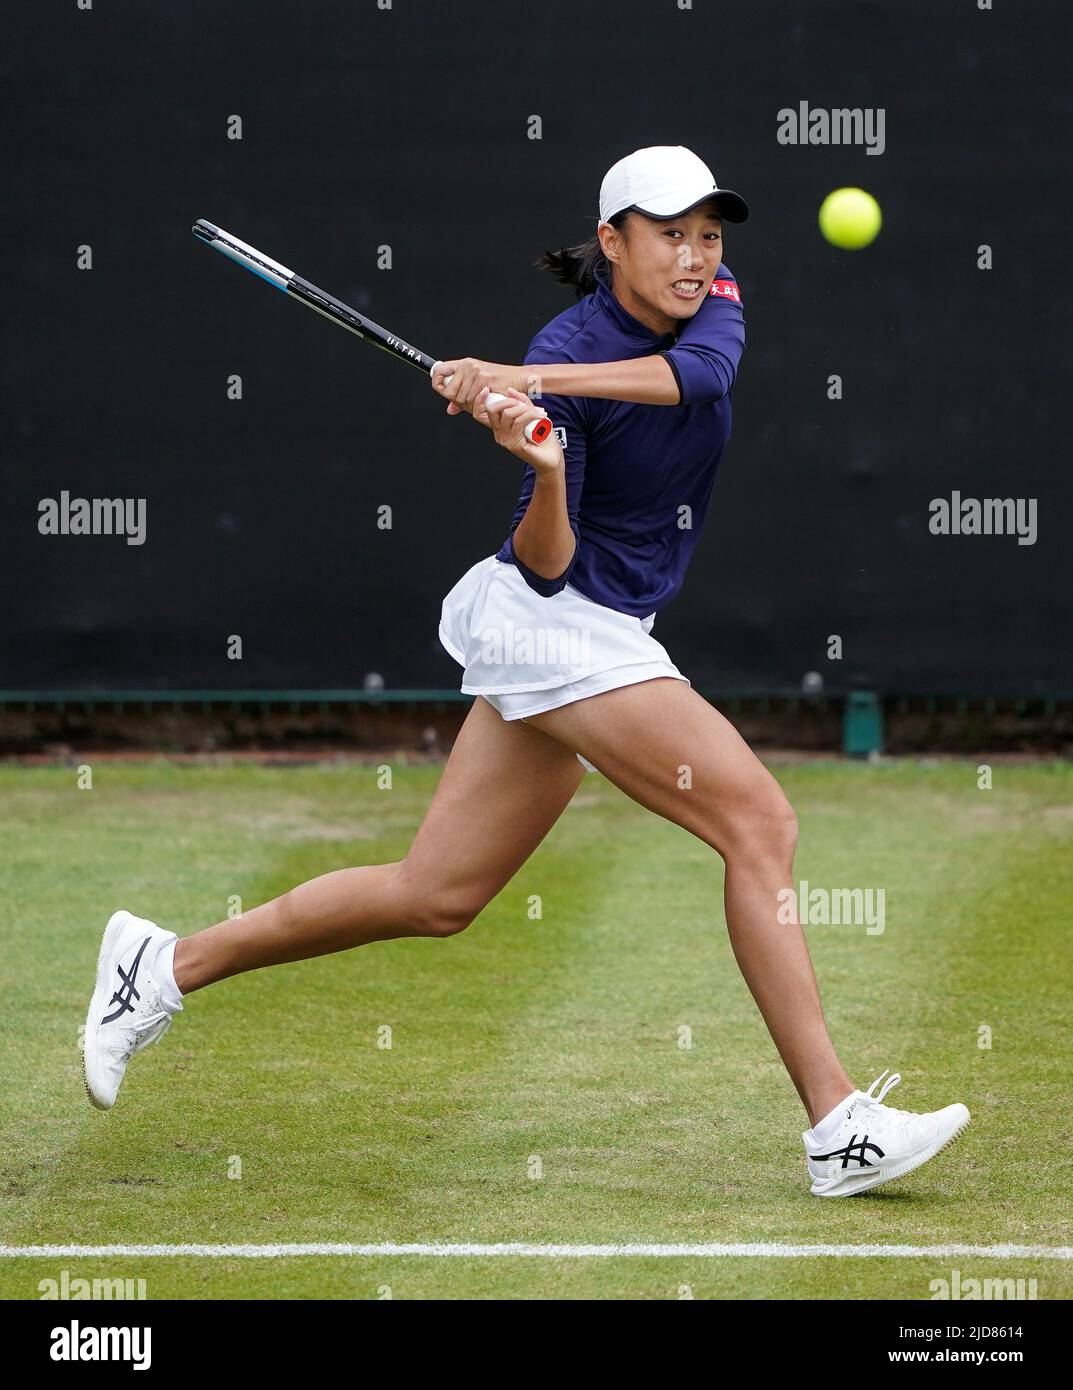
(553, 1252)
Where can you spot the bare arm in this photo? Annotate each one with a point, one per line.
(543, 541)
(646, 380)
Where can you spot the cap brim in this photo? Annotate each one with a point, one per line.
(732, 207)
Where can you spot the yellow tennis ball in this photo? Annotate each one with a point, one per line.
(850, 218)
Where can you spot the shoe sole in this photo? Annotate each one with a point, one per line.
(116, 923)
(899, 1170)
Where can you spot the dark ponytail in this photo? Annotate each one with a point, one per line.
(577, 265)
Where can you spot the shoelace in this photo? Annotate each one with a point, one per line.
(147, 1030)
(890, 1114)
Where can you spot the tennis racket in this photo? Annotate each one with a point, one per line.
(334, 309)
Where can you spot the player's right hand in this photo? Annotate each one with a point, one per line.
(507, 420)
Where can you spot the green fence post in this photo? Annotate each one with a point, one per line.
(862, 724)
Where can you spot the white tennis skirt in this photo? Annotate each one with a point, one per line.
(526, 654)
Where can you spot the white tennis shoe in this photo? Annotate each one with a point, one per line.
(873, 1143)
(126, 1012)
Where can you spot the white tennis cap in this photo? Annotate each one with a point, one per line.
(665, 181)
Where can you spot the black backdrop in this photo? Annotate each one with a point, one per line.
(408, 127)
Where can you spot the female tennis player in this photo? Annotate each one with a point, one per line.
(554, 635)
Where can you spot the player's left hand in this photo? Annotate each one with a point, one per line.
(469, 377)
(508, 418)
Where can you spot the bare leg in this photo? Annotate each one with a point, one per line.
(504, 787)
(642, 737)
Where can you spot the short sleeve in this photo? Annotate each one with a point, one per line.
(705, 358)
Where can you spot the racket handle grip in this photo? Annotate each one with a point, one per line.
(536, 431)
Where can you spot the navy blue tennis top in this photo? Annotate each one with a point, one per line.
(638, 477)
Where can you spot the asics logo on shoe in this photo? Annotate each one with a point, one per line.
(853, 1150)
(127, 991)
